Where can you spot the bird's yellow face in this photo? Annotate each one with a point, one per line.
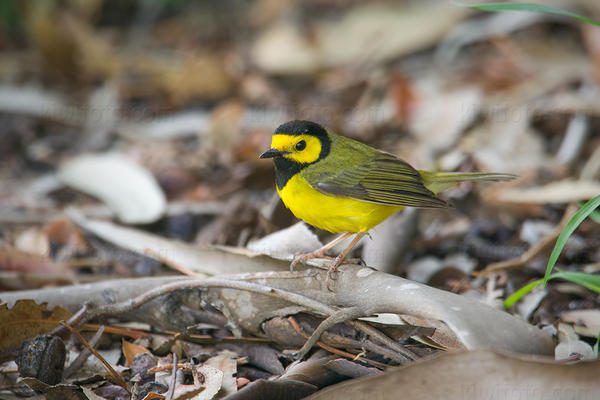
(297, 145)
(303, 149)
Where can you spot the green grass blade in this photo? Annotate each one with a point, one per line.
(594, 216)
(597, 346)
(516, 296)
(528, 7)
(573, 223)
(589, 281)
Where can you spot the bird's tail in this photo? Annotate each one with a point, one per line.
(440, 181)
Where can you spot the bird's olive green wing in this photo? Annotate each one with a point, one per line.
(371, 175)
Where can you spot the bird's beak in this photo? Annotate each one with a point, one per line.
(273, 153)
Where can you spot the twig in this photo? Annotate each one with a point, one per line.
(345, 342)
(345, 315)
(333, 349)
(333, 319)
(534, 251)
(321, 308)
(208, 339)
(400, 359)
(382, 338)
(173, 378)
(160, 368)
(118, 379)
(75, 320)
(131, 304)
(85, 353)
(131, 333)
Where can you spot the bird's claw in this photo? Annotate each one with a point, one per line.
(337, 261)
(295, 261)
(329, 278)
(331, 271)
(303, 257)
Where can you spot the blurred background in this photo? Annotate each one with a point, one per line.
(130, 133)
(190, 92)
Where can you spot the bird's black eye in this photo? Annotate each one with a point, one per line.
(301, 145)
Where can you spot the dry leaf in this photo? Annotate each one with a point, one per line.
(15, 260)
(474, 375)
(33, 241)
(166, 127)
(298, 238)
(130, 350)
(571, 346)
(586, 322)
(506, 143)
(440, 119)
(32, 101)
(443, 337)
(64, 232)
(154, 396)
(225, 362)
(26, 320)
(126, 187)
(212, 379)
(207, 260)
(365, 34)
(183, 76)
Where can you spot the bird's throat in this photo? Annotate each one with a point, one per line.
(285, 169)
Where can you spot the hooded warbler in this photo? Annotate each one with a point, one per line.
(344, 186)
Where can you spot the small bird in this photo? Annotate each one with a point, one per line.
(344, 186)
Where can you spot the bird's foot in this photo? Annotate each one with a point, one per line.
(339, 260)
(303, 257)
(332, 269)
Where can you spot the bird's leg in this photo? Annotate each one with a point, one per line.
(339, 259)
(320, 253)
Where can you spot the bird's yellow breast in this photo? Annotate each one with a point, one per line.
(334, 214)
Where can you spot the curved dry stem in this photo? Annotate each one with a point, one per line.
(336, 315)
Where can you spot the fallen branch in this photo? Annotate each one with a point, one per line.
(272, 294)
